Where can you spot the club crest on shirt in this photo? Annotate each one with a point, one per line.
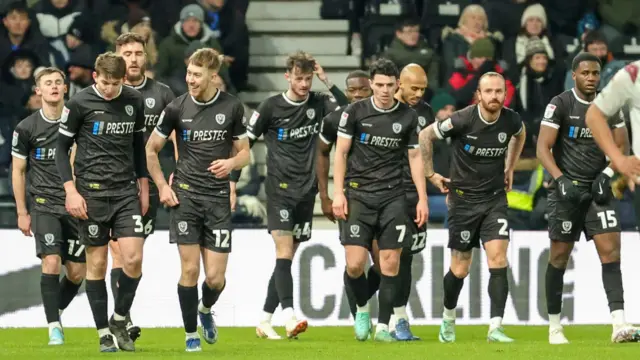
(397, 127)
(129, 110)
(220, 118)
(150, 102)
(422, 121)
(502, 137)
(311, 113)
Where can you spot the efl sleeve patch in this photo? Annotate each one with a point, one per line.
(549, 111)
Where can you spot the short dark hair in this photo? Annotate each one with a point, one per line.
(406, 22)
(128, 38)
(17, 7)
(357, 74)
(584, 56)
(384, 67)
(593, 37)
(301, 60)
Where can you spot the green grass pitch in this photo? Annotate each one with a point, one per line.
(331, 343)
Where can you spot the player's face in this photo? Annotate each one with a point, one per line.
(134, 55)
(358, 89)
(199, 79)
(109, 87)
(299, 82)
(492, 93)
(384, 87)
(52, 88)
(413, 90)
(587, 77)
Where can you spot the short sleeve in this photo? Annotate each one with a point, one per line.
(618, 91)
(140, 119)
(617, 121)
(71, 119)
(347, 124)
(239, 128)
(20, 143)
(553, 114)
(414, 129)
(259, 121)
(330, 104)
(329, 128)
(167, 121)
(450, 127)
(167, 94)
(518, 125)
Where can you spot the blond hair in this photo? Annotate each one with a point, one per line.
(207, 58)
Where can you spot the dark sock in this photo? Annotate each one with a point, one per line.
(115, 275)
(404, 284)
(127, 287)
(188, 297)
(351, 297)
(272, 301)
(452, 287)
(284, 282)
(498, 291)
(554, 284)
(386, 297)
(210, 296)
(50, 291)
(98, 301)
(612, 280)
(68, 291)
(359, 288)
(373, 281)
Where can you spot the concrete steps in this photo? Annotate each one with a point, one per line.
(275, 81)
(268, 44)
(270, 26)
(284, 10)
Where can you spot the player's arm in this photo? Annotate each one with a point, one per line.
(339, 96)
(416, 164)
(256, 126)
(323, 151)
(346, 130)
(548, 136)
(607, 104)
(620, 134)
(241, 146)
(20, 154)
(173, 139)
(156, 142)
(514, 149)
(426, 138)
(70, 124)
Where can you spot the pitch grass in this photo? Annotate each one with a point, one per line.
(333, 343)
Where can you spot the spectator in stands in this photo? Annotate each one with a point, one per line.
(172, 48)
(17, 80)
(473, 25)
(226, 19)
(596, 44)
(463, 83)
(139, 22)
(443, 105)
(533, 25)
(18, 34)
(409, 46)
(504, 15)
(539, 83)
(80, 69)
(55, 17)
(565, 14)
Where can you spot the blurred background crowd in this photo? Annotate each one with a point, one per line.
(532, 43)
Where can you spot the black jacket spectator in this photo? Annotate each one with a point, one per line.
(55, 19)
(18, 34)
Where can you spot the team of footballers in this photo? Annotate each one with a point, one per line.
(383, 134)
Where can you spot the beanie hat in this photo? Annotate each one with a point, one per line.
(535, 10)
(535, 46)
(442, 99)
(482, 48)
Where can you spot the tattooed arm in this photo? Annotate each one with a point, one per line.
(427, 136)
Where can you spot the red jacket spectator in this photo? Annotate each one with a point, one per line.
(463, 83)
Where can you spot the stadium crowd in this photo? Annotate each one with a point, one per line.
(532, 43)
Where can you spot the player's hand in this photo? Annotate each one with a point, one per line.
(24, 224)
(631, 185)
(319, 71)
(143, 195)
(168, 197)
(628, 166)
(221, 168)
(508, 179)
(422, 213)
(327, 208)
(601, 189)
(76, 206)
(340, 206)
(566, 190)
(440, 182)
(170, 179)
